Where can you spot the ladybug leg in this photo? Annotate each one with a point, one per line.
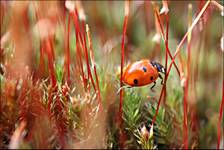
(153, 85)
(123, 87)
(161, 78)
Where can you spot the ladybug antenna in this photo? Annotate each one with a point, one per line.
(123, 87)
(159, 67)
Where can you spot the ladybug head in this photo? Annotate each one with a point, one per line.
(158, 66)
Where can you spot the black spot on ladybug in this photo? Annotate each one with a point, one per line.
(144, 69)
(135, 81)
(151, 78)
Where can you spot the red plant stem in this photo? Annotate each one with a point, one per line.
(157, 108)
(79, 60)
(220, 117)
(83, 41)
(185, 36)
(120, 120)
(51, 40)
(78, 27)
(86, 55)
(78, 50)
(94, 66)
(98, 87)
(50, 62)
(189, 30)
(122, 64)
(167, 48)
(177, 51)
(185, 122)
(186, 87)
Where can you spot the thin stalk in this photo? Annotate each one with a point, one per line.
(122, 64)
(186, 85)
(120, 121)
(122, 56)
(164, 38)
(51, 41)
(78, 28)
(177, 51)
(185, 121)
(82, 40)
(53, 87)
(186, 34)
(78, 50)
(158, 105)
(87, 57)
(167, 49)
(221, 8)
(80, 62)
(82, 36)
(93, 64)
(50, 61)
(189, 31)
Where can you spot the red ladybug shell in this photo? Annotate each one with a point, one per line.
(140, 73)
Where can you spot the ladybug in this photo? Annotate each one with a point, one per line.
(142, 73)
